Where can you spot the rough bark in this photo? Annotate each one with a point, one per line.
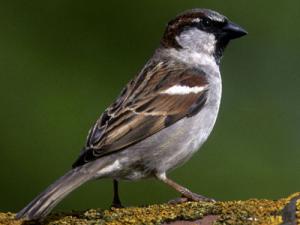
(254, 211)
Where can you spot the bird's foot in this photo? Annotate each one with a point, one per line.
(192, 197)
(116, 205)
(178, 200)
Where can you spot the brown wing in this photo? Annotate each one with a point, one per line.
(148, 104)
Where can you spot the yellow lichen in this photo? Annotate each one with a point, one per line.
(253, 211)
(298, 211)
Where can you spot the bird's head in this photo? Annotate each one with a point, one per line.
(201, 30)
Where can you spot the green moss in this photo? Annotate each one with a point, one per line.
(252, 211)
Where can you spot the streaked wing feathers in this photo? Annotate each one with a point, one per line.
(155, 99)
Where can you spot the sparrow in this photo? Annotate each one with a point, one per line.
(162, 116)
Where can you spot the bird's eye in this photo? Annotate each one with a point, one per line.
(206, 22)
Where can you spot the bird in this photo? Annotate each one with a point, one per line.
(160, 118)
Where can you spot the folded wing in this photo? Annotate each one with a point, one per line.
(155, 99)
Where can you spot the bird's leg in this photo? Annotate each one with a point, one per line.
(116, 200)
(186, 193)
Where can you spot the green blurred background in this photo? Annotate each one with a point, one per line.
(62, 62)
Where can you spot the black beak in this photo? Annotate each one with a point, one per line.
(232, 30)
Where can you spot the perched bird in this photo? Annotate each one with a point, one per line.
(162, 116)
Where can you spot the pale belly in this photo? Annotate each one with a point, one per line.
(173, 146)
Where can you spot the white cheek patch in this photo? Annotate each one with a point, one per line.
(197, 40)
(184, 90)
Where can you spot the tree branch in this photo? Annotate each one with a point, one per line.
(284, 211)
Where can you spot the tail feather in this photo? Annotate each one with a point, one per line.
(42, 205)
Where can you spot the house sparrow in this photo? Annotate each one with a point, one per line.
(161, 117)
